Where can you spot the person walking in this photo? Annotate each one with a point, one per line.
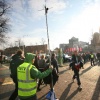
(98, 57)
(27, 75)
(36, 61)
(76, 64)
(92, 57)
(54, 62)
(17, 59)
(1, 58)
(84, 57)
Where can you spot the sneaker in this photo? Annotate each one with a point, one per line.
(38, 89)
(80, 88)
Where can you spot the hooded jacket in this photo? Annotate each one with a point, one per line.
(15, 62)
(34, 72)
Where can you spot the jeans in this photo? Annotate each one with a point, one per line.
(92, 62)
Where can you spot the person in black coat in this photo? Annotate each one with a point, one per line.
(41, 67)
(76, 64)
(36, 62)
(54, 62)
(55, 76)
(17, 59)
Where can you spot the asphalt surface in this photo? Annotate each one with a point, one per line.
(64, 89)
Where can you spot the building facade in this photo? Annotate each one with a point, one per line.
(31, 49)
(75, 44)
(95, 42)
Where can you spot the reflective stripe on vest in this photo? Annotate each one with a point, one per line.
(27, 89)
(25, 81)
(26, 85)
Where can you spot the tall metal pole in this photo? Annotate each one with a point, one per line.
(46, 11)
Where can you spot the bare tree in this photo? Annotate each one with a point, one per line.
(3, 20)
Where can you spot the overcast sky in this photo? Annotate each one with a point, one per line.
(66, 18)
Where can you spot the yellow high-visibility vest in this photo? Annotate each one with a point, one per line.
(26, 85)
(92, 56)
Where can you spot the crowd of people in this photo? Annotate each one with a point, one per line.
(94, 58)
(29, 72)
(26, 70)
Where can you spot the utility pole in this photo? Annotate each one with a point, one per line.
(46, 11)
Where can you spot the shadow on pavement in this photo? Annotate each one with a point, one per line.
(65, 93)
(43, 97)
(96, 95)
(61, 72)
(85, 70)
(72, 95)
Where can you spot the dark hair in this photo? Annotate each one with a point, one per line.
(42, 56)
(19, 52)
(53, 55)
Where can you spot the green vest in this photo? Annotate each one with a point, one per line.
(92, 56)
(26, 85)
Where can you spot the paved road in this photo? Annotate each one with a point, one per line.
(64, 88)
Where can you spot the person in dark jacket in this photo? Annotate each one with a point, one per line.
(98, 57)
(76, 64)
(54, 62)
(36, 62)
(17, 59)
(41, 67)
(1, 58)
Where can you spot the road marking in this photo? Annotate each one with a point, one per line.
(7, 83)
(3, 67)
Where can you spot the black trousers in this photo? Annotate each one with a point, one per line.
(56, 67)
(15, 92)
(76, 75)
(92, 62)
(40, 80)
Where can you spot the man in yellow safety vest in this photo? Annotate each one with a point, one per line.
(92, 59)
(27, 74)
